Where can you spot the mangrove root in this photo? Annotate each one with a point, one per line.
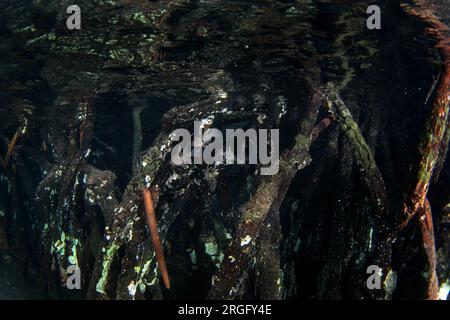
(269, 195)
(156, 242)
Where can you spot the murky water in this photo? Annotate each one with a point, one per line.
(152, 56)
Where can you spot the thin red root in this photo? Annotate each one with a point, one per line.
(154, 235)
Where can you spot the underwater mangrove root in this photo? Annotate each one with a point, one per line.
(5, 161)
(371, 176)
(268, 197)
(154, 234)
(268, 272)
(137, 134)
(362, 152)
(125, 229)
(434, 144)
(322, 126)
(58, 196)
(429, 247)
(87, 125)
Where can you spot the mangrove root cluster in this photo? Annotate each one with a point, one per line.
(87, 178)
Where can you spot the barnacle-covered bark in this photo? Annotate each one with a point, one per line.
(268, 197)
(127, 222)
(268, 271)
